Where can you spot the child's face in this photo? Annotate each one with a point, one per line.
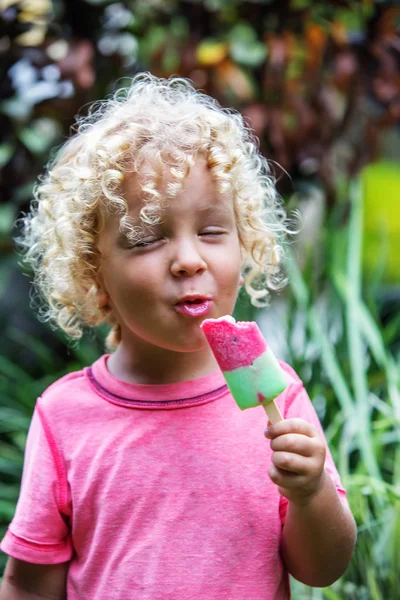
(194, 251)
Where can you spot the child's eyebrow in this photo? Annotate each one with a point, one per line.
(217, 209)
(135, 226)
(214, 210)
(126, 234)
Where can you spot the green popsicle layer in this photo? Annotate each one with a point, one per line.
(264, 378)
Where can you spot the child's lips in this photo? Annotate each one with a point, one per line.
(194, 308)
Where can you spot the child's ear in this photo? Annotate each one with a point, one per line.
(101, 294)
(102, 298)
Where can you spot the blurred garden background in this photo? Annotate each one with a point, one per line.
(319, 83)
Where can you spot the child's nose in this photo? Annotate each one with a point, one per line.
(187, 260)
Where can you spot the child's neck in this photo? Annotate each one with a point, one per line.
(160, 367)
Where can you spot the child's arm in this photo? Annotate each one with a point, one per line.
(319, 532)
(27, 581)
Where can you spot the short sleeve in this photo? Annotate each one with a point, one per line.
(39, 532)
(298, 404)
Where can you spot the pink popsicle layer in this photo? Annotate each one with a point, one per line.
(235, 344)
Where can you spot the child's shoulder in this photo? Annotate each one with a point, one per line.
(68, 393)
(290, 372)
(65, 384)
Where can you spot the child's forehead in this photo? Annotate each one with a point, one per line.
(198, 187)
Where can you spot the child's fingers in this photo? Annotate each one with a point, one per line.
(292, 463)
(266, 430)
(296, 443)
(294, 486)
(291, 426)
(286, 479)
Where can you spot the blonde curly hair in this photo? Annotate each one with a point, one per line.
(153, 125)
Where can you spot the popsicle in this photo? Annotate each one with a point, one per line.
(250, 368)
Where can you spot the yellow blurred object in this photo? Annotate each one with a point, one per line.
(210, 53)
(37, 7)
(29, 8)
(381, 196)
(339, 33)
(33, 37)
(37, 13)
(4, 4)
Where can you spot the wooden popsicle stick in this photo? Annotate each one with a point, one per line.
(273, 412)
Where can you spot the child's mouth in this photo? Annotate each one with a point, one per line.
(196, 307)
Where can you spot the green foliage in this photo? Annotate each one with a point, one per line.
(357, 379)
(19, 391)
(381, 181)
(352, 374)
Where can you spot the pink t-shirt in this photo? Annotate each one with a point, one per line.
(157, 492)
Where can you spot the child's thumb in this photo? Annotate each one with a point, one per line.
(266, 430)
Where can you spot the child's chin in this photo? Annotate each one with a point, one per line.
(192, 345)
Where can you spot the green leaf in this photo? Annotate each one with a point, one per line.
(355, 343)
(152, 42)
(7, 219)
(9, 492)
(11, 460)
(242, 32)
(296, 281)
(12, 370)
(171, 59)
(7, 510)
(331, 366)
(23, 193)
(248, 54)
(329, 594)
(6, 152)
(300, 4)
(180, 28)
(36, 346)
(12, 420)
(40, 135)
(244, 46)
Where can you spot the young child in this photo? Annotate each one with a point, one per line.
(142, 478)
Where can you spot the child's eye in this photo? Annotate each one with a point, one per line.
(145, 243)
(212, 232)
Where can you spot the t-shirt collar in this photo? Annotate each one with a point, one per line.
(181, 394)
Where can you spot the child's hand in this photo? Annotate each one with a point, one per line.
(298, 459)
